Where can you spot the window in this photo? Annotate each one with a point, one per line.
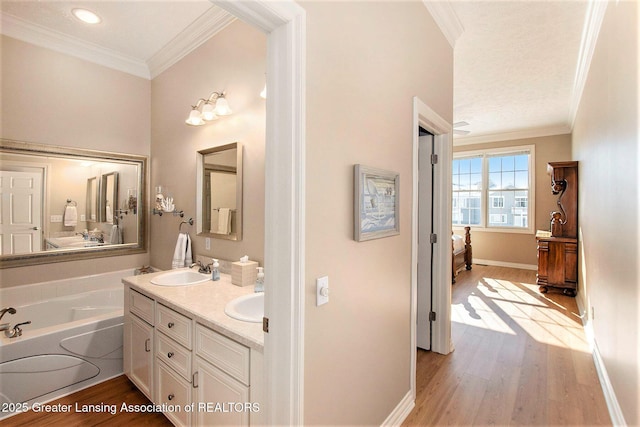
(492, 188)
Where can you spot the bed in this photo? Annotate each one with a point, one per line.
(461, 255)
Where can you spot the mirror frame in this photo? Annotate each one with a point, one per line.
(200, 155)
(46, 257)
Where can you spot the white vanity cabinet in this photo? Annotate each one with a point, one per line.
(138, 341)
(176, 360)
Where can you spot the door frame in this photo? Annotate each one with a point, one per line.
(284, 22)
(431, 121)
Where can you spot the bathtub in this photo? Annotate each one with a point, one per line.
(74, 339)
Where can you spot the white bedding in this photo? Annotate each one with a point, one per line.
(458, 243)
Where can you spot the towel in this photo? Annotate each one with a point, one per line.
(116, 235)
(70, 216)
(182, 253)
(224, 221)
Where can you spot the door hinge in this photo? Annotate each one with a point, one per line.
(265, 324)
(434, 159)
(433, 238)
(432, 316)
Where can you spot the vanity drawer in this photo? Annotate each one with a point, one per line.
(174, 325)
(226, 354)
(171, 389)
(174, 355)
(141, 306)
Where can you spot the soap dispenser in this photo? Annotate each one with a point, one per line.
(215, 270)
(259, 280)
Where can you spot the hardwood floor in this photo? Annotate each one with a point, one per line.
(521, 358)
(112, 392)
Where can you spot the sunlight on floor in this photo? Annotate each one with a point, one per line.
(516, 308)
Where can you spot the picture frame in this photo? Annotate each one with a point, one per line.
(376, 203)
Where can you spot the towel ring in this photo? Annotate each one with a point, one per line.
(71, 203)
(189, 221)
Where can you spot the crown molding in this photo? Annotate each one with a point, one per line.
(592, 24)
(40, 36)
(509, 136)
(202, 29)
(446, 18)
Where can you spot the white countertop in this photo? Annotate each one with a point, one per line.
(205, 303)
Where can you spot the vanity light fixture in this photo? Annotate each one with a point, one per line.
(86, 16)
(208, 109)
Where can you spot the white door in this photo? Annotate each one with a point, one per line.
(20, 212)
(425, 229)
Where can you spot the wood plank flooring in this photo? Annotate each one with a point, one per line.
(521, 358)
(112, 392)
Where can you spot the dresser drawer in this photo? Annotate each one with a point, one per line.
(174, 355)
(141, 306)
(174, 325)
(229, 356)
(171, 389)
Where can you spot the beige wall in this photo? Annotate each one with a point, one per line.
(518, 248)
(365, 62)
(605, 142)
(233, 61)
(44, 95)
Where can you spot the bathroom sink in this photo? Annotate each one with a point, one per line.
(179, 278)
(248, 308)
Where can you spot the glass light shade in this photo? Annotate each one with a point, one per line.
(195, 118)
(263, 94)
(222, 107)
(208, 112)
(86, 16)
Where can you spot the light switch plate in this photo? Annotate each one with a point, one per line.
(322, 290)
(56, 218)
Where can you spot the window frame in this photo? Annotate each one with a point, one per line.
(485, 202)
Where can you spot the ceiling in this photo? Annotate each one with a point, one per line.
(517, 64)
(139, 37)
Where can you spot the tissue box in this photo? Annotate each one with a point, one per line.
(244, 273)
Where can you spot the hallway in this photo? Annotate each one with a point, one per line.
(521, 358)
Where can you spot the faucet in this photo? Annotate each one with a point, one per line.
(202, 267)
(16, 331)
(10, 310)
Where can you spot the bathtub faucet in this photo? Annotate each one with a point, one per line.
(16, 331)
(10, 310)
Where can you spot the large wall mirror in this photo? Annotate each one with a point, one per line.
(219, 192)
(62, 204)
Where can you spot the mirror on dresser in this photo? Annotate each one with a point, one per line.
(62, 204)
(219, 192)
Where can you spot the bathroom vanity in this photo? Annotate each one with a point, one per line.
(184, 353)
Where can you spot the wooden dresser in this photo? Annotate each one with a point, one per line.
(558, 249)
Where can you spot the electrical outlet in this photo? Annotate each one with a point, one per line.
(593, 312)
(207, 243)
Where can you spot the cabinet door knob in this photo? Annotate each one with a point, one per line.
(170, 354)
(170, 325)
(171, 396)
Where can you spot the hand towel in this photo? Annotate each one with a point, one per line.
(224, 221)
(70, 216)
(182, 256)
(116, 235)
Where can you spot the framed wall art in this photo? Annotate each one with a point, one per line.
(376, 203)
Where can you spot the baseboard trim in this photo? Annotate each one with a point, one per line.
(505, 264)
(401, 412)
(615, 412)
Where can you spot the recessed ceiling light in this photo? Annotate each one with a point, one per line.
(86, 16)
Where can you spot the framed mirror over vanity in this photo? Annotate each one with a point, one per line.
(63, 204)
(219, 192)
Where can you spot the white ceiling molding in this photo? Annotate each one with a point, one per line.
(446, 18)
(54, 40)
(593, 21)
(509, 136)
(205, 27)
